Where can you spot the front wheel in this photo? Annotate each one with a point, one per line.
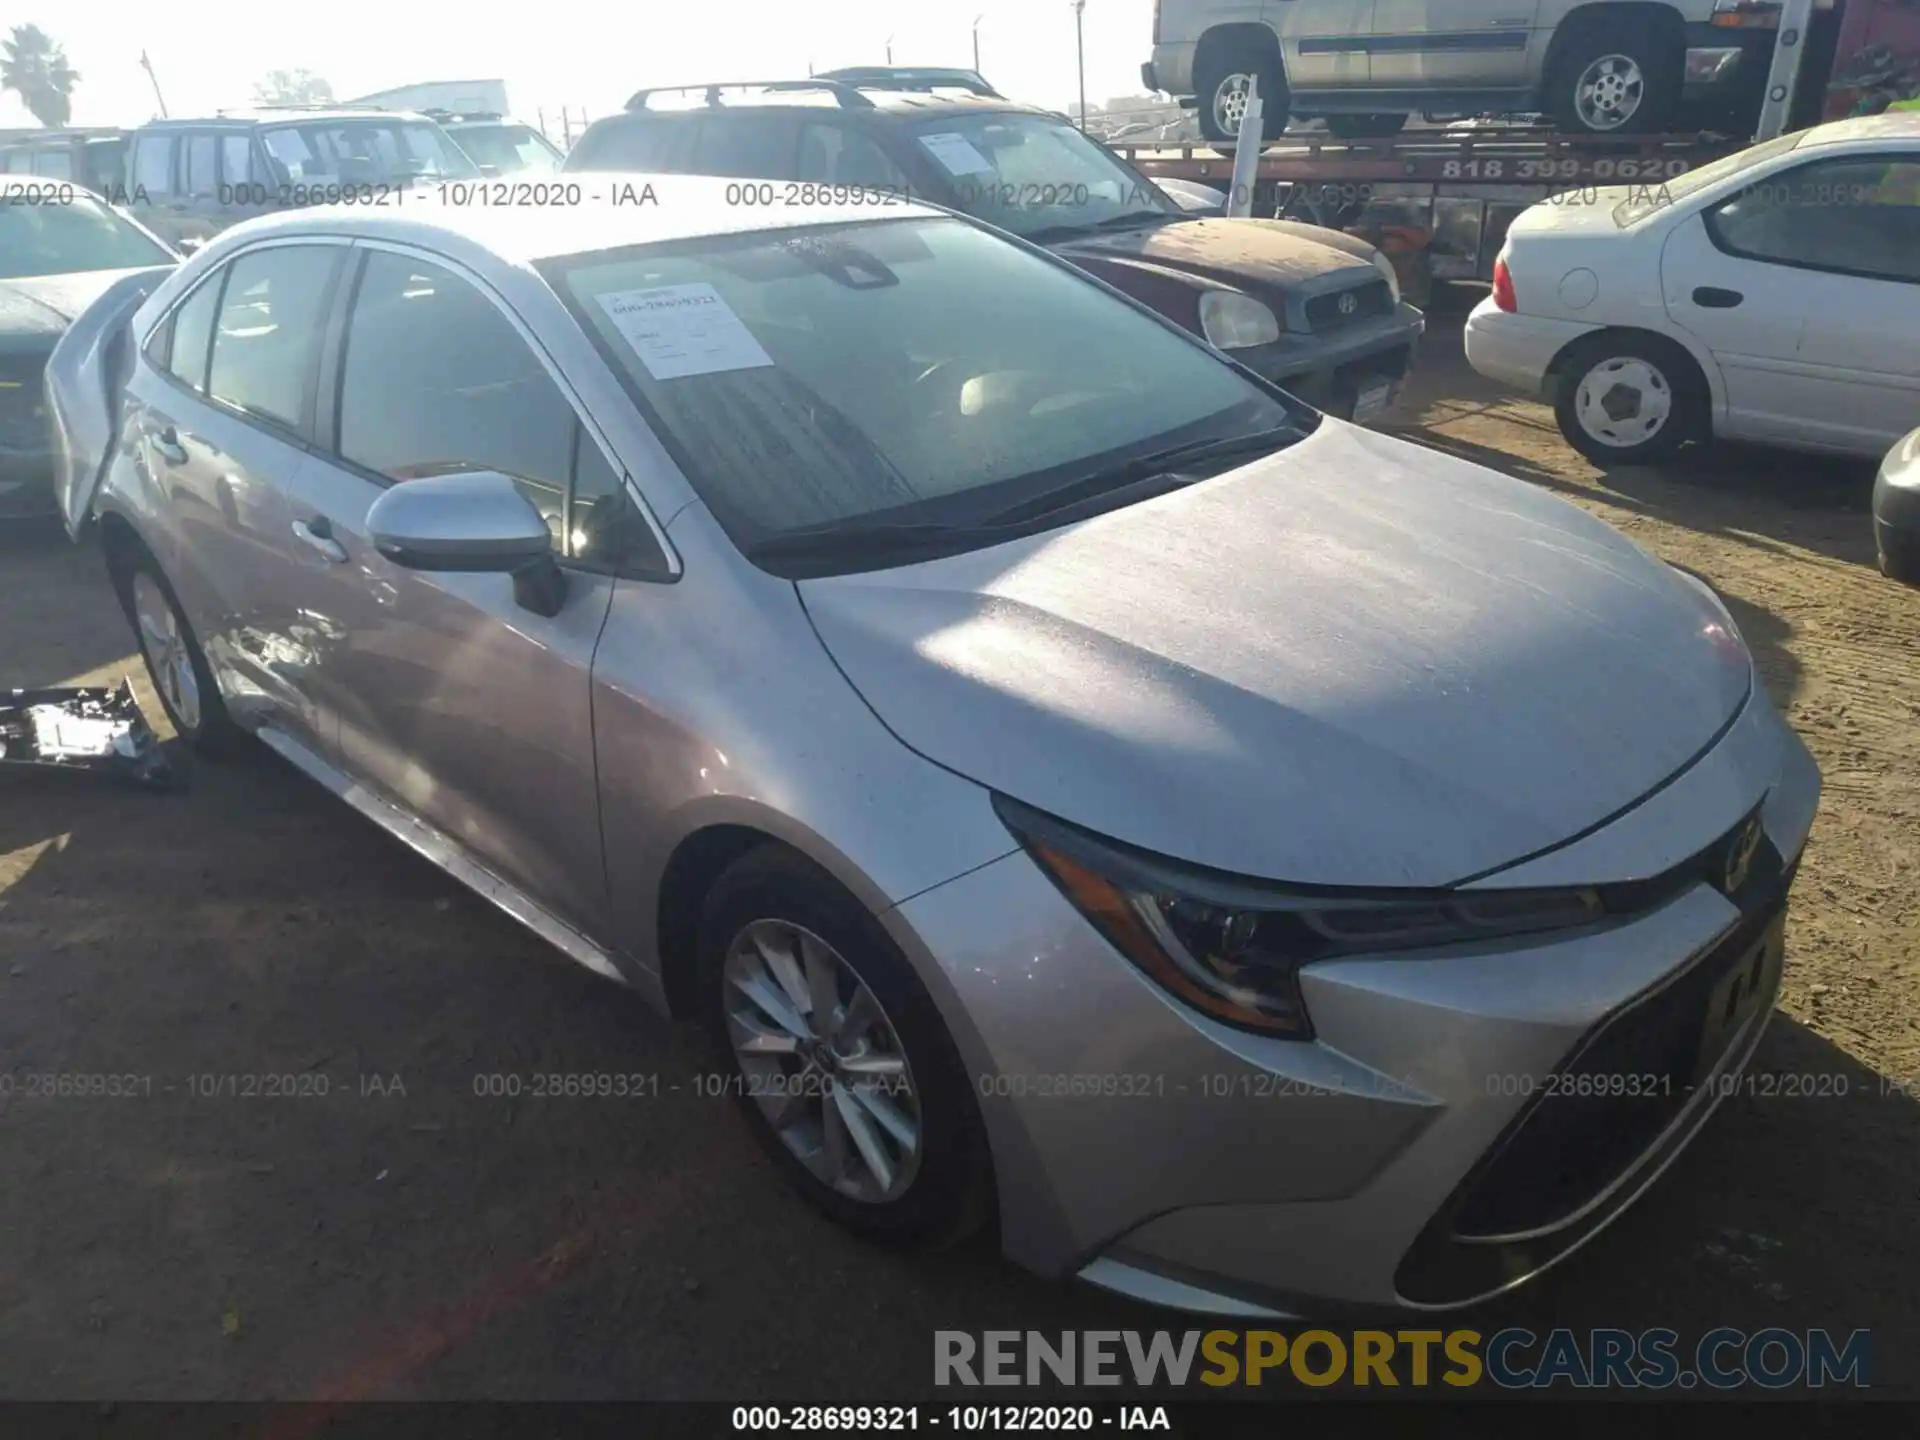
(846, 1074)
(1630, 399)
(1617, 77)
(1365, 127)
(1224, 85)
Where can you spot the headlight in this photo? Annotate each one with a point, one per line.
(1234, 949)
(1387, 273)
(1232, 321)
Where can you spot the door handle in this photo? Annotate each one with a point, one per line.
(167, 442)
(1711, 297)
(317, 534)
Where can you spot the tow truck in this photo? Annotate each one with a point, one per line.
(1439, 197)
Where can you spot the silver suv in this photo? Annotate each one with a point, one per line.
(1602, 67)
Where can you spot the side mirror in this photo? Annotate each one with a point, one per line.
(475, 522)
(189, 245)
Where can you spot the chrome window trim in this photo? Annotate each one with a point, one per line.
(592, 429)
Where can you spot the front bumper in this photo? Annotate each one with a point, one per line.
(1517, 350)
(1145, 1148)
(1332, 372)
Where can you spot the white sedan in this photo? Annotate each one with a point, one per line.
(1773, 296)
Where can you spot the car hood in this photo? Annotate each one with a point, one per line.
(1354, 662)
(36, 310)
(1247, 254)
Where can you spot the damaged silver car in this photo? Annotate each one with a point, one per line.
(1073, 779)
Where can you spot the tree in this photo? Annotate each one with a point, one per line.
(36, 69)
(293, 87)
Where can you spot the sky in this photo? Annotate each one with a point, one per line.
(208, 53)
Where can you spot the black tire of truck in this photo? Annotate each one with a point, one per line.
(1616, 76)
(1228, 71)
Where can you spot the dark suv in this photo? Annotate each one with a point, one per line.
(1313, 309)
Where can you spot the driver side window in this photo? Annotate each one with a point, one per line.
(436, 380)
(1859, 215)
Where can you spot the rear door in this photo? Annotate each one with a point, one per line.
(1323, 43)
(1806, 288)
(1451, 44)
(220, 418)
(449, 698)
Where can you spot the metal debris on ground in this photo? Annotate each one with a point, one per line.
(93, 728)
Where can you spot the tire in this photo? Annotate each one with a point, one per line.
(1658, 382)
(175, 662)
(1365, 127)
(1228, 70)
(943, 1184)
(1898, 554)
(1630, 69)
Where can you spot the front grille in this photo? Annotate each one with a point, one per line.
(1642, 1068)
(23, 416)
(1341, 308)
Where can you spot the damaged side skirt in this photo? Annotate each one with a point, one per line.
(82, 728)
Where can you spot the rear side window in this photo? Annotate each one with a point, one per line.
(1859, 216)
(55, 164)
(192, 330)
(632, 143)
(749, 144)
(236, 159)
(202, 176)
(153, 164)
(268, 335)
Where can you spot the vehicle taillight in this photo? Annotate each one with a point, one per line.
(1503, 286)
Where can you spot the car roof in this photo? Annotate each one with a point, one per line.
(684, 207)
(906, 104)
(285, 115)
(1897, 125)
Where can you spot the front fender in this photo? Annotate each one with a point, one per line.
(85, 376)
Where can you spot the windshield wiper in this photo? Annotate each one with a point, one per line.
(1135, 219)
(839, 540)
(1169, 464)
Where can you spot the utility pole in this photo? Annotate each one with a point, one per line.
(161, 100)
(889, 49)
(1080, 45)
(976, 42)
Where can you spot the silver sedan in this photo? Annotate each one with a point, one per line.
(1266, 863)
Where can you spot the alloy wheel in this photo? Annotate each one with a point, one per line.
(1609, 92)
(163, 640)
(822, 1061)
(1624, 402)
(1230, 102)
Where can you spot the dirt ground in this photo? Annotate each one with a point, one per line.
(404, 1237)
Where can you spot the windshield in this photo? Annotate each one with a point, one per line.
(45, 234)
(1029, 173)
(912, 371)
(1646, 198)
(507, 149)
(365, 152)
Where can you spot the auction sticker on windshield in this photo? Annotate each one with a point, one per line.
(957, 153)
(682, 330)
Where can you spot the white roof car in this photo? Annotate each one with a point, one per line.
(1773, 296)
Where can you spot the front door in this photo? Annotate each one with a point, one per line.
(450, 699)
(1451, 45)
(1806, 288)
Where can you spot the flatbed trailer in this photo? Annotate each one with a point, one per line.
(1440, 197)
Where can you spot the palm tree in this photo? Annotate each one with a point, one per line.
(35, 68)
